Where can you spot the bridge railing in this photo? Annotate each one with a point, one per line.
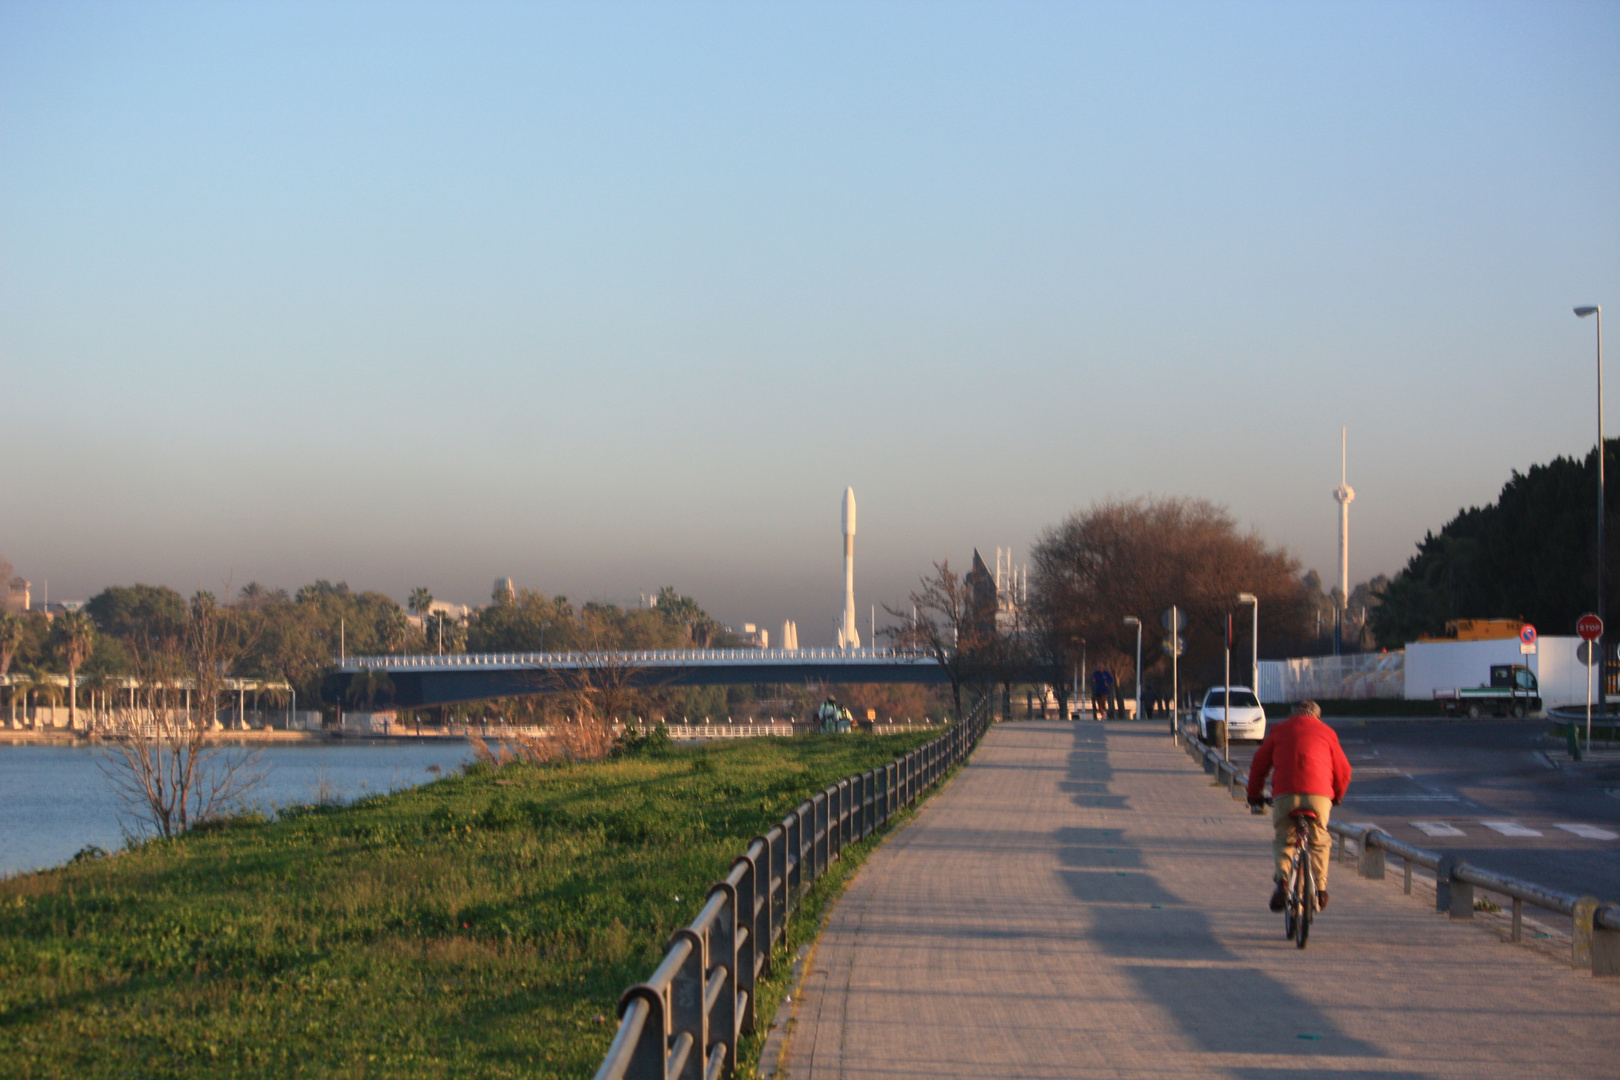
(1594, 945)
(633, 658)
(685, 1020)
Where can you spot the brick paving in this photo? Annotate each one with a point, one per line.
(1080, 902)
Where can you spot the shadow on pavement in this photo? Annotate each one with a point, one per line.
(1198, 982)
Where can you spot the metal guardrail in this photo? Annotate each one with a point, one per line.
(1594, 945)
(684, 1022)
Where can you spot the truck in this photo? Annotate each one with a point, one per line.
(1512, 691)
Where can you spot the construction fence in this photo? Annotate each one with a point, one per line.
(1338, 678)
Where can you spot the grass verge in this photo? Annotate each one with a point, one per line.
(482, 925)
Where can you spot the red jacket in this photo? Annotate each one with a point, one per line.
(1307, 758)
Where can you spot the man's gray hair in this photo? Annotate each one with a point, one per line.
(1308, 708)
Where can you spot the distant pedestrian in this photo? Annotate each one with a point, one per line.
(1102, 686)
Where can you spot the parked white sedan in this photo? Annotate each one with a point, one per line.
(1248, 718)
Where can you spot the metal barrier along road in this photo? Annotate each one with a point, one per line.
(1594, 945)
(683, 1023)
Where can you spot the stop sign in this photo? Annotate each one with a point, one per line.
(1590, 627)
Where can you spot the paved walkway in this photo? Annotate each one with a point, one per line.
(1079, 902)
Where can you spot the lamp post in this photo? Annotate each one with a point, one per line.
(1603, 696)
(1132, 620)
(1075, 713)
(1254, 663)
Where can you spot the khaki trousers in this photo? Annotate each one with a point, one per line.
(1282, 844)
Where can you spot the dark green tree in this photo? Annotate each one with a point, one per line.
(1530, 555)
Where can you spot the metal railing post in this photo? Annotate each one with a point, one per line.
(795, 863)
(868, 802)
(648, 1041)
(720, 981)
(686, 1012)
(778, 890)
(820, 837)
(746, 947)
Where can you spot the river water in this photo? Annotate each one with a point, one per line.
(54, 800)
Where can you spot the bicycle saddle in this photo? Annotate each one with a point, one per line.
(1302, 812)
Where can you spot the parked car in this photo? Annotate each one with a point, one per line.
(1248, 718)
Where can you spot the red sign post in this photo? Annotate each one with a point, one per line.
(1590, 627)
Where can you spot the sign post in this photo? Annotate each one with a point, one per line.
(1174, 622)
(1590, 628)
(1226, 709)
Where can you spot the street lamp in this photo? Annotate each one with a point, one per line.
(1132, 620)
(1254, 683)
(1583, 312)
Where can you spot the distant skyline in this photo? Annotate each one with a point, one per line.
(615, 296)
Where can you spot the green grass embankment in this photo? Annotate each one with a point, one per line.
(481, 925)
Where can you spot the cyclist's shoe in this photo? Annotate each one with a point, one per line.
(1279, 897)
(1321, 900)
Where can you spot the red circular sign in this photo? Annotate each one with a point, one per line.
(1590, 627)
(1527, 634)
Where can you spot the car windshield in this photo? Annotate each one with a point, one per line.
(1241, 699)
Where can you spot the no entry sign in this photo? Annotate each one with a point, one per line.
(1590, 627)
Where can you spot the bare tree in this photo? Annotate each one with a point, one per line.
(951, 621)
(1140, 556)
(161, 759)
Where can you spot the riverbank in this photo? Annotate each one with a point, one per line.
(266, 736)
(480, 925)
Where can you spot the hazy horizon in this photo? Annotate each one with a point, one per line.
(605, 298)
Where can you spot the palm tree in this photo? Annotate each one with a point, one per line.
(21, 683)
(42, 685)
(76, 637)
(421, 601)
(11, 638)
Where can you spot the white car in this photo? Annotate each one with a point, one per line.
(1248, 718)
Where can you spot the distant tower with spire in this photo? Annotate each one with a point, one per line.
(1345, 495)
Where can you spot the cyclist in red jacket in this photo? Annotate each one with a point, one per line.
(1309, 771)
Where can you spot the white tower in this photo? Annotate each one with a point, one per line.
(848, 636)
(1346, 495)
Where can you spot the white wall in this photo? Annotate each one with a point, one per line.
(1447, 665)
(1562, 675)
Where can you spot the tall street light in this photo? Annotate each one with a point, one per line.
(1254, 664)
(1132, 620)
(1583, 312)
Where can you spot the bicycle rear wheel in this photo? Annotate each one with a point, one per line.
(1291, 910)
(1307, 907)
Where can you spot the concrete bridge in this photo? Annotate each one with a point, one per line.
(440, 680)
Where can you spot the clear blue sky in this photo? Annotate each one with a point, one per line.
(606, 297)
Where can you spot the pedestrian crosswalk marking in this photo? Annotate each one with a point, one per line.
(1437, 828)
(1510, 828)
(1589, 832)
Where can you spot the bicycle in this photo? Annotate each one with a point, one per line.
(1301, 906)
